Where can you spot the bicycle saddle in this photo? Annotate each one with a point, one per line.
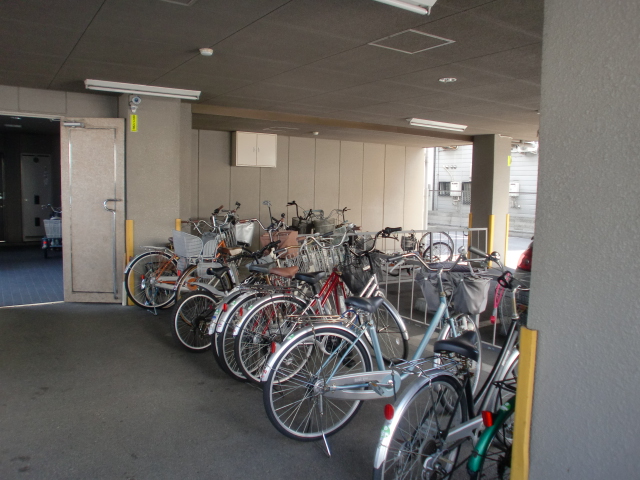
(367, 304)
(217, 271)
(311, 277)
(462, 345)
(264, 268)
(286, 272)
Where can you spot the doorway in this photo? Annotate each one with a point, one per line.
(29, 188)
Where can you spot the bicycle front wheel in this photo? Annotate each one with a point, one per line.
(293, 391)
(149, 280)
(412, 445)
(264, 324)
(391, 331)
(190, 321)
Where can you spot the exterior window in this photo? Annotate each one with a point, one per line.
(444, 189)
(466, 193)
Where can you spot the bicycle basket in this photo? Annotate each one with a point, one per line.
(355, 278)
(324, 225)
(53, 228)
(408, 243)
(186, 245)
(470, 294)
(244, 232)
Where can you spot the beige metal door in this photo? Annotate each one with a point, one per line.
(93, 208)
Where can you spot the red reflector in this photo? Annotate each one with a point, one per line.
(487, 418)
(274, 347)
(389, 411)
(225, 307)
(240, 311)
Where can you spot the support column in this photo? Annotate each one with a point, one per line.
(490, 188)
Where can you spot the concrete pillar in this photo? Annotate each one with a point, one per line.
(584, 281)
(490, 187)
(153, 163)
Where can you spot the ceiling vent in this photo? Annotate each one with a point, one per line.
(411, 41)
(184, 3)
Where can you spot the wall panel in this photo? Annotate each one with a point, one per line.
(327, 175)
(302, 154)
(394, 167)
(351, 160)
(414, 189)
(373, 187)
(274, 183)
(215, 171)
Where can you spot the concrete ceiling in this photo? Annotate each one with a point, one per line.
(300, 64)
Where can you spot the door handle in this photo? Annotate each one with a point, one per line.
(104, 204)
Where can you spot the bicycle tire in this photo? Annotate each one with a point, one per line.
(224, 349)
(265, 323)
(293, 401)
(410, 445)
(191, 319)
(438, 252)
(464, 323)
(141, 279)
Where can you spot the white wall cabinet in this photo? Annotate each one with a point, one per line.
(254, 149)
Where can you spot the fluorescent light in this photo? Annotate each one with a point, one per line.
(423, 7)
(419, 122)
(118, 87)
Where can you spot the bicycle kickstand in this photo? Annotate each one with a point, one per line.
(327, 449)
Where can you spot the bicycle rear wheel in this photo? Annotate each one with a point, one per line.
(412, 444)
(391, 330)
(457, 326)
(149, 279)
(224, 348)
(190, 321)
(293, 391)
(491, 458)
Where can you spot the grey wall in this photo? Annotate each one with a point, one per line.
(383, 185)
(585, 283)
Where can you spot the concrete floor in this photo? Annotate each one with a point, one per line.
(101, 392)
(94, 391)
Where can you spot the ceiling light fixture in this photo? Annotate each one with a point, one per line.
(423, 7)
(206, 52)
(132, 88)
(448, 80)
(419, 122)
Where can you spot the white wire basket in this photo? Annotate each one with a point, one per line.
(53, 228)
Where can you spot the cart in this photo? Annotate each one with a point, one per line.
(53, 236)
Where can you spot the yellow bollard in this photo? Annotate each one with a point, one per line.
(506, 239)
(178, 224)
(470, 220)
(524, 405)
(128, 229)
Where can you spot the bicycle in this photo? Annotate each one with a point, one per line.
(193, 314)
(423, 433)
(150, 277)
(266, 325)
(316, 381)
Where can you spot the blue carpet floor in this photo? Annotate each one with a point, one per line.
(26, 277)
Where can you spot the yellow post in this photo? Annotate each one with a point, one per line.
(490, 231)
(470, 220)
(178, 224)
(524, 405)
(128, 229)
(506, 239)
